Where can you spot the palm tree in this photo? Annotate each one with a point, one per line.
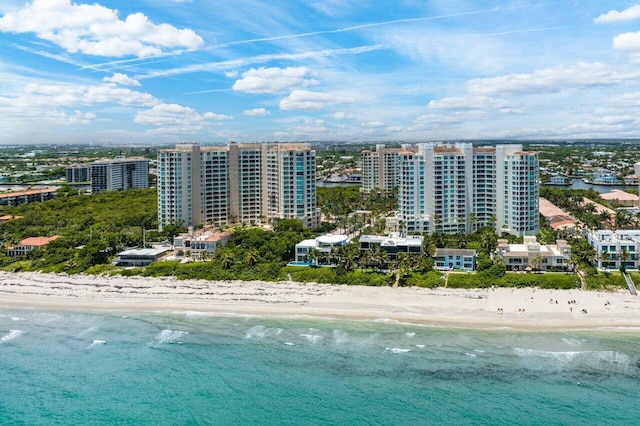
(403, 266)
(536, 262)
(252, 257)
(347, 257)
(624, 256)
(227, 258)
(604, 257)
(429, 247)
(474, 222)
(314, 256)
(379, 256)
(488, 241)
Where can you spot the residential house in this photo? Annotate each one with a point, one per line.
(455, 259)
(532, 255)
(28, 244)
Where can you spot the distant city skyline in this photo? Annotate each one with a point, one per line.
(166, 71)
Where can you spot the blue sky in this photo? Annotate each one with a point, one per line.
(166, 71)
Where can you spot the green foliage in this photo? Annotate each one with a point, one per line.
(431, 279)
(92, 228)
(605, 281)
(292, 225)
(548, 280)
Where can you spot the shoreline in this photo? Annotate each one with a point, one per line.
(530, 309)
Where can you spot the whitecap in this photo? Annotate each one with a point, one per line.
(470, 355)
(313, 338)
(480, 351)
(398, 350)
(88, 330)
(410, 334)
(170, 336)
(340, 336)
(420, 346)
(289, 344)
(260, 331)
(11, 335)
(97, 343)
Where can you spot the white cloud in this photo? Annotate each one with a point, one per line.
(614, 16)
(217, 117)
(551, 80)
(305, 100)
(176, 118)
(469, 102)
(231, 74)
(343, 115)
(309, 101)
(255, 112)
(96, 30)
(627, 41)
(373, 124)
(272, 80)
(121, 79)
(625, 101)
(59, 103)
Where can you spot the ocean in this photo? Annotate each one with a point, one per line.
(189, 368)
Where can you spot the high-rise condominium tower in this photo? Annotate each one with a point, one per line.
(119, 174)
(454, 188)
(380, 168)
(246, 183)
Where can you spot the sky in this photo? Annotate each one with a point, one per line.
(213, 71)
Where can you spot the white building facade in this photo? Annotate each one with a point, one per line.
(119, 174)
(380, 168)
(453, 188)
(615, 249)
(248, 183)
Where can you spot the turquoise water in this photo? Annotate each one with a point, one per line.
(76, 368)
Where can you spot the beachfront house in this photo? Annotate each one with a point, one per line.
(322, 244)
(28, 244)
(615, 249)
(140, 256)
(200, 243)
(455, 259)
(392, 244)
(532, 255)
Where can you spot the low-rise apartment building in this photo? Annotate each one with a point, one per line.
(615, 249)
(455, 259)
(531, 255)
(30, 196)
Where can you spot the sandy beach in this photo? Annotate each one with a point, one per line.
(530, 308)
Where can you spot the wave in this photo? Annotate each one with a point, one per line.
(397, 350)
(97, 343)
(313, 338)
(260, 332)
(12, 318)
(593, 360)
(340, 336)
(409, 334)
(12, 334)
(170, 336)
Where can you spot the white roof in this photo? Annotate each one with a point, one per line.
(332, 239)
(143, 252)
(307, 243)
